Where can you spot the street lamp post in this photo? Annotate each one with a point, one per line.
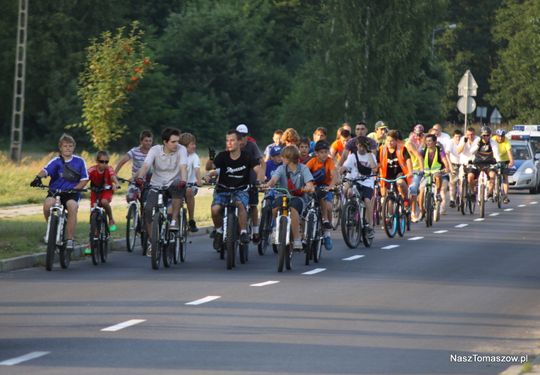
(440, 28)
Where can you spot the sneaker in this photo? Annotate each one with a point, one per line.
(438, 197)
(327, 225)
(70, 245)
(370, 232)
(506, 200)
(173, 226)
(112, 226)
(327, 241)
(244, 237)
(87, 251)
(256, 237)
(149, 250)
(452, 204)
(193, 226)
(218, 239)
(213, 233)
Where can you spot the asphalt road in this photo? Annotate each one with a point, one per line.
(472, 290)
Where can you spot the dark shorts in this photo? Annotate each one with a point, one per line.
(476, 168)
(64, 197)
(152, 198)
(296, 203)
(365, 192)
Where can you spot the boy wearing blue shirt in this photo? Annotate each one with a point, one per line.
(274, 162)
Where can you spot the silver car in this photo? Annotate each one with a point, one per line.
(525, 174)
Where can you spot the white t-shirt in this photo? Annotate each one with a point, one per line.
(193, 162)
(166, 166)
(451, 150)
(350, 164)
(466, 154)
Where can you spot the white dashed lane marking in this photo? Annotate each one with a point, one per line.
(23, 358)
(479, 219)
(461, 225)
(522, 205)
(508, 209)
(119, 326)
(203, 300)
(389, 247)
(440, 231)
(354, 257)
(265, 283)
(415, 238)
(313, 272)
(494, 214)
(534, 202)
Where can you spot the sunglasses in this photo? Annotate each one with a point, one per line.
(103, 161)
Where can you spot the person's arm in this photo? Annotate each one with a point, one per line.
(461, 145)
(309, 187)
(495, 148)
(260, 172)
(198, 176)
(142, 171)
(344, 157)
(412, 150)
(373, 164)
(121, 163)
(210, 165)
(510, 156)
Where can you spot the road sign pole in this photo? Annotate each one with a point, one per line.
(466, 96)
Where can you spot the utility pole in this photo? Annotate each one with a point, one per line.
(18, 84)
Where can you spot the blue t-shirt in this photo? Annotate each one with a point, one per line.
(55, 170)
(271, 166)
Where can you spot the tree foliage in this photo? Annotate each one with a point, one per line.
(115, 65)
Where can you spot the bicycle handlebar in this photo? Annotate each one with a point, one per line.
(392, 181)
(58, 191)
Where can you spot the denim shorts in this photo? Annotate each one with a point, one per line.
(329, 195)
(222, 198)
(415, 184)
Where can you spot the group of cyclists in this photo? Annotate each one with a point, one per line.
(308, 168)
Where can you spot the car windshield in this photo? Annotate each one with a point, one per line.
(521, 153)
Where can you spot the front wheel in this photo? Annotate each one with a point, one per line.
(482, 196)
(282, 243)
(389, 207)
(131, 227)
(104, 240)
(265, 230)
(168, 251)
(463, 193)
(336, 210)
(65, 254)
(230, 242)
(51, 242)
(94, 237)
(402, 219)
(350, 224)
(157, 223)
(428, 206)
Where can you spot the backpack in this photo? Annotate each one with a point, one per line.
(70, 174)
(291, 186)
(320, 175)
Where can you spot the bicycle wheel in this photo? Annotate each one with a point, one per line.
(157, 223)
(389, 206)
(94, 237)
(282, 243)
(131, 227)
(377, 210)
(498, 191)
(168, 250)
(230, 242)
(65, 254)
(243, 252)
(336, 210)
(471, 200)
(184, 238)
(51, 242)
(104, 240)
(428, 206)
(265, 230)
(310, 224)
(350, 224)
(463, 195)
(401, 219)
(482, 197)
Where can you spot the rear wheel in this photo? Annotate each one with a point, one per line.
(265, 230)
(471, 200)
(389, 207)
(350, 224)
(168, 250)
(157, 223)
(309, 237)
(402, 219)
(282, 245)
(94, 237)
(482, 196)
(336, 210)
(463, 195)
(65, 254)
(131, 227)
(51, 242)
(428, 206)
(104, 243)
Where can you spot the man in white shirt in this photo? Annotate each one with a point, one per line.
(454, 158)
(169, 163)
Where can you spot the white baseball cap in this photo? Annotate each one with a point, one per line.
(242, 128)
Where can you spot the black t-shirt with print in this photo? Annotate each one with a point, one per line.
(234, 173)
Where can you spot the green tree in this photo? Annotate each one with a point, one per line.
(515, 81)
(115, 65)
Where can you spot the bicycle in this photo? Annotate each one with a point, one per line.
(313, 229)
(354, 227)
(432, 206)
(55, 236)
(231, 229)
(161, 234)
(266, 224)
(135, 217)
(483, 179)
(179, 239)
(377, 205)
(469, 198)
(337, 205)
(282, 231)
(498, 192)
(394, 214)
(99, 228)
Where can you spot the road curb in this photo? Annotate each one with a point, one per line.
(38, 259)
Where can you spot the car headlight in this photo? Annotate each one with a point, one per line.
(528, 171)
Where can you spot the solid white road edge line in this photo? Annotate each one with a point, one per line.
(22, 358)
(389, 247)
(203, 300)
(461, 225)
(119, 326)
(265, 283)
(354, 257)
(313, 272)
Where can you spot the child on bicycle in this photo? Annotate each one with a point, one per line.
(194, 176)
(102, 175)
(274, 161)
(323, 170)
(303, 146)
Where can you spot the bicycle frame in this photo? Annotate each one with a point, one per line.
(59, 210)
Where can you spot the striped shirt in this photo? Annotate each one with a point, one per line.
(137, 156)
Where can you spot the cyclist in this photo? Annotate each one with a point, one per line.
(394, 161)
(233, 168)
(274, 162)
(466, 145)
(319, 134)
(322, 169)
(298, 180)
(379, 135)
(252, 149)
(362, 163)
(67, 171)
(432, 157)
(414, 145)
(277, 142)
(452, 151)
(102, 175)
(303, 147)
(290, 137)
(486, 153)
(194, 180)
(338, 146)
(169, 163)
(507, 159)
(350, 146)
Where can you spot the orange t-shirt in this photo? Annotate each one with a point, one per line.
(338, 146)
(314, 164)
